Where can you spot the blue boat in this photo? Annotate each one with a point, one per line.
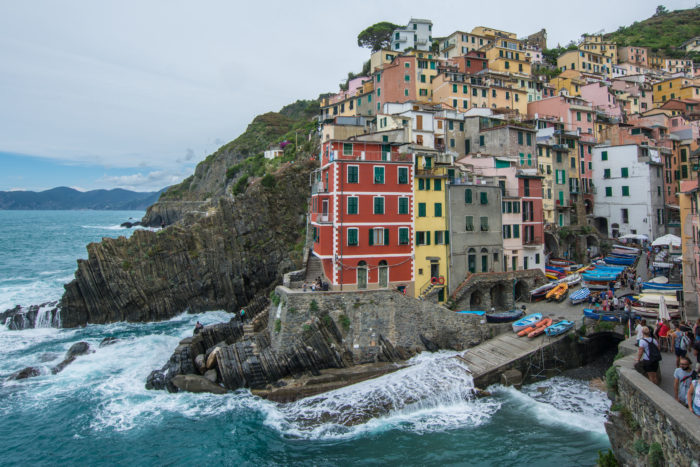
(614, 260)
(601, 316)
(504, 316)
(472, 312)
(580, 295)
(656, 286)
(527, 321)
(559, 328)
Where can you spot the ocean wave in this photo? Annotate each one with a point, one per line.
(104, 227)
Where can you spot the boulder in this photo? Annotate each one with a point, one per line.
(211, 375)
(47, 357)
(200, 363)
(77, 349)
(25, 373)
(108, 341)
(211, 360)
(196, 383)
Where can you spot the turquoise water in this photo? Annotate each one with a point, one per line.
(97, 411)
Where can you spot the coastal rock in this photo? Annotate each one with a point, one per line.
(35, 316)
(211, 375)
(108, 341)
(196, 383)
(75, 350)
(201, 363)
(25, 373)
(47, 357)
(219, 259)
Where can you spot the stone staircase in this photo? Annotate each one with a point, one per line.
(314, 269)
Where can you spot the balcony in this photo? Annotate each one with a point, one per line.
(435, 172)
(532, 242)
(379, 156)
(318, 187)
(561, 206)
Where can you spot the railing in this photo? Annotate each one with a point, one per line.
(430, 285)
(471, 182)
(318, 187)
(432, 172)
(371, 156)
(536, 240)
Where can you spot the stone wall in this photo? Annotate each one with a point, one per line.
(481, 291)
(371, 321)
(647, 413)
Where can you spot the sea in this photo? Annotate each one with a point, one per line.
(98, 412)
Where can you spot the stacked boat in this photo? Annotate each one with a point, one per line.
(580, 296)
(535, 324)
(601, 276)
(600, 315)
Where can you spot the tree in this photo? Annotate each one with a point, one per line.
(377, 36)
(660, 10)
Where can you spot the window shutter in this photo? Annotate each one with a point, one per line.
(386, 236)
(371, 237)
(447, 237)
(427, 237)
(468, 195)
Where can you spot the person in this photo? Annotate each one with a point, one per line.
(198, 328)
(682, 377)
(693, 397)
(605, 304)
(662, 331)
(639, 284)
(643, 356)
(615, 303)
(638, 329)
(680, 343)
(696, 330)
(242, 314)
(304, 286)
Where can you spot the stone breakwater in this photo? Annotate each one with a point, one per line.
(217, 259)
(281, 352)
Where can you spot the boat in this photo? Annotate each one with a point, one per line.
(617, 260)
(658, 287)
(504, 316)
(559, 328)
(651, 312)
(628, 248)
(600, 315)
(559, 292)
(596, 285)
(540, 292)
(581, 295)
(655, 298)
(539, 329)
(560, 262)
(625, 253)
(472, 312)
(572, 279)
(527, 321)
(659, 280)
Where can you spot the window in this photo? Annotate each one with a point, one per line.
(578, 116)
(606, 173)
(437, 184)
(625, 216)
(484, 197)
(379, 175)
(421, 209)
(440, 237)
(481, 140)
(506, 232)
(516, 231)
(624, 172)
(378, 236)
(469, 223)
(604, 156)
(378, 205)
(347, 149)
(608, 192)
(468, 196)
(625, 191)
(438, 209)
(467, 146)
(529, 139)
(352, 204)
(421, 184)
(403, 205)
(407, 78)
(454, 88)
(353, 239)
(684, 171)
(484, 224)
(403, 235)
(403, 175)
(353, 174)
(520, 137)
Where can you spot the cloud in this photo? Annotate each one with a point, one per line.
(79, 188)
(17, 189)
(151, 181)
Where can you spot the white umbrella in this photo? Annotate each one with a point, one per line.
(663, 309)
(667, 240)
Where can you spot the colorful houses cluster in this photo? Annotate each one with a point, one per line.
(463, 156)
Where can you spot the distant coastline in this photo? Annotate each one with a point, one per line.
(69, 199)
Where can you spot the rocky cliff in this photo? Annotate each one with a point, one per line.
(218, 258)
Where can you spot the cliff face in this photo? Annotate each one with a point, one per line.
(217, 258)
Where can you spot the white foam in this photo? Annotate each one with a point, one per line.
(104, 227)
(435, 393)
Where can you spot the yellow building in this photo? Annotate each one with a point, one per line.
(676, 88)
(570, 80)
(426, 69)
(460, 43)
(431, 224)
(493, 34)
(380, 58)
(508, 56)
(585, 61)
(595, 43)
(544, 160)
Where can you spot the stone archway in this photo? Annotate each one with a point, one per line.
(592, 246)
(499, 298)
(476, 300)
(601, 224)
(522, 291)
(551, 245)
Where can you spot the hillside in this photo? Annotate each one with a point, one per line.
(63, 198)
(662, 33)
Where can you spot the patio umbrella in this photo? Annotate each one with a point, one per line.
(663, 309)
(667, 240)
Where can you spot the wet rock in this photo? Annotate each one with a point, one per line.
(430, 346)
(512, 378)
(108, 341)
(47, 357)
(211, 360)
(196, 383)
(43, 315)
(75, 350)
(211, 375)
(200, 363)
(180, 363)
(29, 372)
(156, 380)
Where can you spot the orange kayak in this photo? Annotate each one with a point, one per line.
(541, 326)
(526, 331)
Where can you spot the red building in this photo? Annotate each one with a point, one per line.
(362, 215)
(472, 62)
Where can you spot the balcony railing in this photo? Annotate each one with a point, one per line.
(318, 187)
(384, 156)
(432, 172)
(532, 241)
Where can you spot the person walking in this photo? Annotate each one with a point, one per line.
(680, 343)
(682, 378)
(693, 397)
(649, 355)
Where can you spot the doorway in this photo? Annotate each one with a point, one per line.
(383, 274)
(361, 275)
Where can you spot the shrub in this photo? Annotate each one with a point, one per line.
(629, 419)
(274, 298)
(126, 265)
(306, 327)
(240, 185)
(611, 378)
(327, 320)
(291, 309)
(601, 326)
(656, 455)
(607, 459)
(618, 356)
(233, 170)
(640, 446)
(344, 321)
(313, 306)
(269, 181)
(278, 325)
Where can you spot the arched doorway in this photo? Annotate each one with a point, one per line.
(475, 300)
(551, 245)
(592, 246)
(383, 274)
(522, 291)
(484, 260)
(601, 223)
(362, 275)
(498, 296)
(471, 260)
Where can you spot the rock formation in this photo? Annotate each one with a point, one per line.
(34, 316)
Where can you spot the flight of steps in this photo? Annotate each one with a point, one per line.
(314, 269)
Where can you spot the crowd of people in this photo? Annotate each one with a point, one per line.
(315, 286)
(681, 338)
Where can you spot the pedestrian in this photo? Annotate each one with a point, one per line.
(198, 328)
(639, 328)
(696, 330)
(682, 378)
(648, 356)
(639, 283)
(662, 331)
(242, 314)
(615, 303)
(304, 286)
(680, 343)
(693, 397)
(605, 305)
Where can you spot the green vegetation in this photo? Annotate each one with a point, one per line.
(269, 181)
(662, 33)
(344, 321)
(126, 265)
(313, 306)
(629, 419)
(656, 455)
(640, 446)
(612, 378)
(377, 36)
(306, 328)
(240, 185)
(602, 326)
(607, 459)
(327, 320)
(274, 298)
(278, 325)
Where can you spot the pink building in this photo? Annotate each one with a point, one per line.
(602, 99)
(575, 113)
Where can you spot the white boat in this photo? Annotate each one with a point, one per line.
(572, 279)
(659, 280)
(648, 312)
(654, 298)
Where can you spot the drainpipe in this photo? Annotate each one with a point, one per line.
(449, 229)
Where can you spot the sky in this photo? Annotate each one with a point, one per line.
(133, 94)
